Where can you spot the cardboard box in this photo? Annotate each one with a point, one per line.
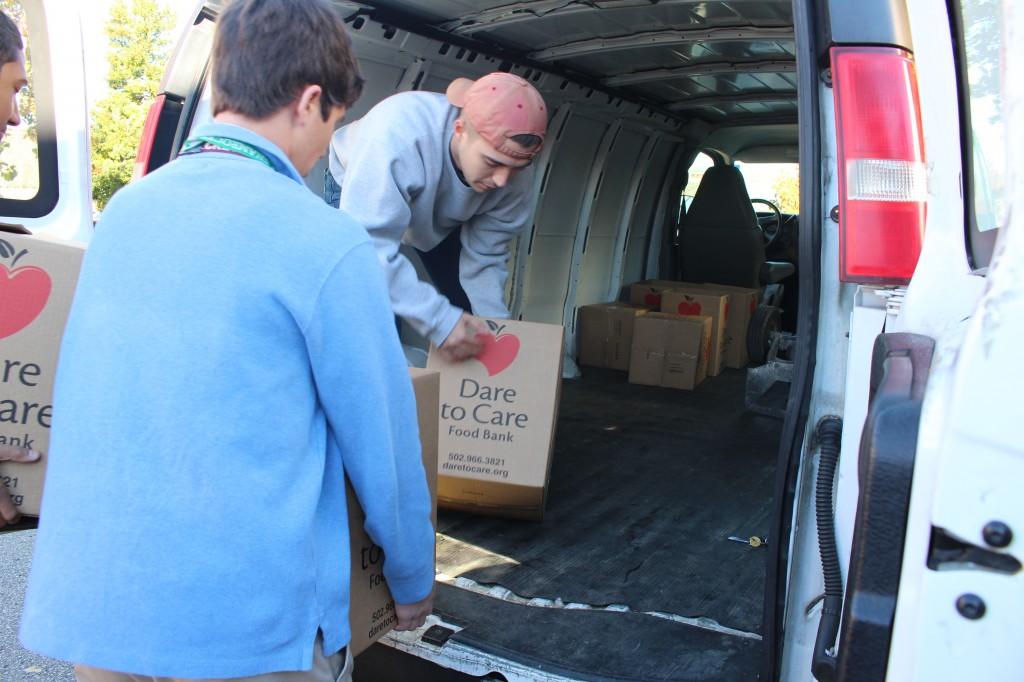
(648, 293)
(670, 350)
(371, 608)
(37, 284)
(742, 304)
(606, 334)
(497, 421)
(699, 302)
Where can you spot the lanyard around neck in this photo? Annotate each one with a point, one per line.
(201, 143)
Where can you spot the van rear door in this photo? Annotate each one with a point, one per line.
(925, 507)
(961, 585)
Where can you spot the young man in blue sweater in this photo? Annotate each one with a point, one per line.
(229, 357)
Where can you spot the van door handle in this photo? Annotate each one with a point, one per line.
(899, 371)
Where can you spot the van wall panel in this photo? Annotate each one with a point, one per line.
(643, 214)
(606, 218)
(381, 81)
(549, 268)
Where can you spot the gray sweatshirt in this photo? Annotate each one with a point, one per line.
(398, 180)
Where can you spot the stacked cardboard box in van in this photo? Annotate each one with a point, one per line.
(729, 309)
(606, 334)
(671, 351)
(742, 304)
(690, 301)
(648, 292)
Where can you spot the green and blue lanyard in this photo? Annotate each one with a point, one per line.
(215, 143)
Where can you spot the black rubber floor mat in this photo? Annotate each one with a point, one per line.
(599, 645)
(646, 485)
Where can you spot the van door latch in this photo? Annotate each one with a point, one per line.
(946, 552)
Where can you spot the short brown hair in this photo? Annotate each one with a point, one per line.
(10, 40)
(266, 51)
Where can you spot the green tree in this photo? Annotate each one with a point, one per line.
(139, 33)
(983, 25)
(787, 191)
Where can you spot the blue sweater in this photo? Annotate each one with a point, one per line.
(230, 352)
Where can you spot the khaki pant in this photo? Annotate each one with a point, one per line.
(334, 668)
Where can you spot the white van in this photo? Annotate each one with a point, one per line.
(869, 463)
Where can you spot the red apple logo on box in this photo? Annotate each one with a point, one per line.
(652, 298)
(499, 350)
(24, 291)
(689, 307)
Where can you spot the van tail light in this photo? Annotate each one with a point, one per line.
(882, 174)
(142, 158)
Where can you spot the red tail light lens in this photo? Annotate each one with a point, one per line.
(148, 136)
(882, 172)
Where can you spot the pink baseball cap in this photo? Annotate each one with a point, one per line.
(501, 105)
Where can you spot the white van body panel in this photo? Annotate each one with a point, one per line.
(943, 292)
(71, 218)
(462, 658)
(836, 310)
(970, 459)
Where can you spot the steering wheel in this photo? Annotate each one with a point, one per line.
(771, 225)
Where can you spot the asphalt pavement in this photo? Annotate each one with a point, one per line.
(17, 664)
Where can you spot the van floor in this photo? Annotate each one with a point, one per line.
(646, 486)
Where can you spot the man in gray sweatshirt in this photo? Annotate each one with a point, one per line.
(451, 176)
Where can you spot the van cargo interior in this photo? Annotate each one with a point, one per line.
(631, 575)
(647, 484)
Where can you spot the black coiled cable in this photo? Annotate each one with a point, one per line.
(830, 432)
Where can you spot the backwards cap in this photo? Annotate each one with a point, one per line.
(500, 106)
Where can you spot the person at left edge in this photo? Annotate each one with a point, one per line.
(12, 80)
(230, 354)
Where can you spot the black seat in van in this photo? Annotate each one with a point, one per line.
(721, 241)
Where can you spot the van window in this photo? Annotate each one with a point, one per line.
(28, 169)
(778, 183)
(981, 43)
(695, 175)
